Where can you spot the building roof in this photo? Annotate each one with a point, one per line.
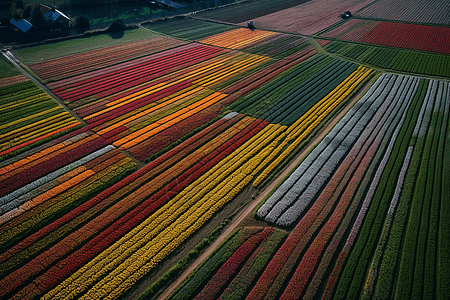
(21, 24)
(52, 13)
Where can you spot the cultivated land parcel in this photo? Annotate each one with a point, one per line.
(118, 157)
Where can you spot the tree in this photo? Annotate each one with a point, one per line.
(37, 18)
(18, 14)
(116, 26)
(27, 12)
(82, 22)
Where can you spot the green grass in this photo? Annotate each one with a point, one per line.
(6, 68)
(35, 54)
(145, 11)
(191, 29)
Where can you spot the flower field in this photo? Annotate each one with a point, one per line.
(29, 117)
(434, 11)
(350, 241)
(399, 35)
(234, 266)
(61, 226)
(414, 62)
(179, 130)
(68, 66)
(146, 104)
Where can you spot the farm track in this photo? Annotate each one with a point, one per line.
(15, 62)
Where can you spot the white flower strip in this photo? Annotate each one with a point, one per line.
(344, 136)
(320, 180)
(425, 111)
(318, 156)
(365, 206)
(373, 269)
(26, 193)
(230, 115)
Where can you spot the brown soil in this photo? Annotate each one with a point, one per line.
(248, 10)
(308, 18)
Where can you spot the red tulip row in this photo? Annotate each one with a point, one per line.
(342, 188)
(158, 142)
(137, 61)
(57, 197)
(29, 118)
(113, 82)
(88, 210)
(70, 65)
(231, 267)
(431, 11)
(400, 35)
(148, 188)
(60, 153)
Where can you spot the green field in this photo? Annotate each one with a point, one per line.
(30, 55)
(6, 68)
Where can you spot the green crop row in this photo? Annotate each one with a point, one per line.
(390, 259)
(203, 272)
(351, 281)
(395, 59)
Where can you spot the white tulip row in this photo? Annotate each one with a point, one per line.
(41, 185)
(287, 204)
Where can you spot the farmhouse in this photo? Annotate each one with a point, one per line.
(55, 17)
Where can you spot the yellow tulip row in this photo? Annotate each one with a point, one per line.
(67, 121)
(116, 269)
(237, 38)
(235, 68)
(298, 131)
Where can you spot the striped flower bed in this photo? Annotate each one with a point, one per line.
(238, 38)
(399, 35)
(392, 256)
(70, 65)
(312, 95)
(167, 227)
(364, 224)
(279, 46)
(395, 59)
(232, 268)
(29, 118)
(433, 11)
(27, 208)
(113, 213)
(287, 204)
(145, 105)
(6, 81)
(25, 169)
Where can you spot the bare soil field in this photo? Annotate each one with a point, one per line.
(248, 10)
(308, 18)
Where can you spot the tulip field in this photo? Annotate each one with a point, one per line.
(362, 186)
(415, 62)
(68, 66)
(141, 146)
(29, 117)
(399, 35)
(433, 11)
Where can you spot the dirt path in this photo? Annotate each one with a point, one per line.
(252, 205)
